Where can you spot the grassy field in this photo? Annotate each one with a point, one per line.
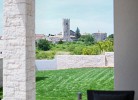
(0, 93)
(65, 84)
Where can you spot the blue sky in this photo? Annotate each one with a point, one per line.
(89, 15)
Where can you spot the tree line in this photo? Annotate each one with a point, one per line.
(85, 45)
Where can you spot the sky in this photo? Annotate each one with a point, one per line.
(88, 15)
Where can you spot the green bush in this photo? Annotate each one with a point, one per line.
(106, 46)
(88, 39)
(76, 48)
(71, 48)
(60, 42)
(1, 93)
(45, 54)
(43, 44)
(93, 50)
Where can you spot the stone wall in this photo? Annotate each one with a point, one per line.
(82, 61)
(19, 50)
(1, 63)
(79, 61)
(1, 48)
(1, 72)
(46, 64)
(109, 58)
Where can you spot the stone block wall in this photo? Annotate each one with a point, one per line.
(1, 63)
(109, 58)
(1, 48)
(84, 61)
(1, 72)
(79, 61)
(19, 50)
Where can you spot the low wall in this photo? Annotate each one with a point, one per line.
(109, 59)
(1, 72)
(46, 64)
(79, 61)
(82, 61)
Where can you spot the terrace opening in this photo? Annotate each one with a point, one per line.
(74, 65)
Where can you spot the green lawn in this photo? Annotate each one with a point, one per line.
(65, 84)
(0, 93)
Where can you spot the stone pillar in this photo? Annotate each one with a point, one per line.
(1, 72)
(1, 64)
(126, 45)
(19, 50)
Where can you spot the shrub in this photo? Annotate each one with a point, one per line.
(45, 54)
(43, 44)
(60, 42)
(106, 46)
(78, 50)
(93, 50)
(88, 39)
(71, 48)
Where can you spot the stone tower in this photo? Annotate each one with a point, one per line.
(66, 30)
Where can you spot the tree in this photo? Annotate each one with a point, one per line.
(111, 36)
(43, 44)
(77, 34)
(87, 39)
(60, 42)
(106, 46)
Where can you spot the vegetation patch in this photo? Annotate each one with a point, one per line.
(65, 84)
(1, 92)
(75, 48)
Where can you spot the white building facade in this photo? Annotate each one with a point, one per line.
(99, 36)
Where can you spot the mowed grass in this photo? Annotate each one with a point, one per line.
(65, 84)
(1, 92)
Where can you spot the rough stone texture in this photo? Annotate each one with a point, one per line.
(66, 30)
(1, 72)
(19, 50)
(1, 48)
(1, 63)
(82, 61)
(109, 58)
(79, 61)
